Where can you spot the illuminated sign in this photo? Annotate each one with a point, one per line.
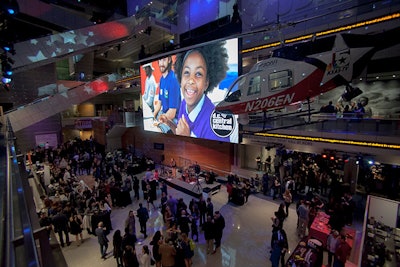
(329, 140)
(83, 124)
(327, 32)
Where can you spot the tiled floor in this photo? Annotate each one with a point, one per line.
(245, 241)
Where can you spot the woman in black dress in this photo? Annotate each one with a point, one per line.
(75, 226)
(117, 248)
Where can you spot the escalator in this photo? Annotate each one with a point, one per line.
(43, 108)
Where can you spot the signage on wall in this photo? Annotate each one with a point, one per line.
(49, 138)
(83, 124)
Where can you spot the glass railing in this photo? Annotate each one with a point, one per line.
(358, 126)
(3, 192)
(23, 242)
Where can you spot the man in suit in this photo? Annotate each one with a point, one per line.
(60, 222)
(219, 225)
(143, 216)
(102, 239)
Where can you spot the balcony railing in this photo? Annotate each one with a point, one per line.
(23, 241)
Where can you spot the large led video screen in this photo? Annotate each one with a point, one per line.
(180, 92)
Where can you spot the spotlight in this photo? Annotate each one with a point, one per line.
(5, 80)
(8, 47)
(7, 70)
(10, 6)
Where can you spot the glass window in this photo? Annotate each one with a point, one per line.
(280, 79)
(254, 86)
(234, 93)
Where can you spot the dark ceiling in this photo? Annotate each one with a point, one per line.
(23, 26)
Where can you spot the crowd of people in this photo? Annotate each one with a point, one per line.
(305, 179)
(175, 246)
(351, 110)
(72, 206)
(312, 183)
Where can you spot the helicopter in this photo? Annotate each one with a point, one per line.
(297, 73)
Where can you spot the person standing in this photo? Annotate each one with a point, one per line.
(144, 189)
(265, 183)
(247, 190)
(268, 162)
(60, 222)
(128, 240)
(151, 196)
(167, 252)
(75, 226)
(258, 162)
(277, 163)
(208, 228)
(143, 215)
(303, 216)
(279, 247)
(342, 252)
(202, 210)
(210, 207)
(276, 187)
(164, 188)
(183, 222)
(348, 208)
(136, 187)
(45, 221)
(155, 242)
(172, 203)
(163, 204)
(187, 249)
(287, 197)
(281, 214)
(130, 258)
(331, 245)
(130, 225)
(102, 239)
(144, 258)
(219, 225)
(117, 248)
